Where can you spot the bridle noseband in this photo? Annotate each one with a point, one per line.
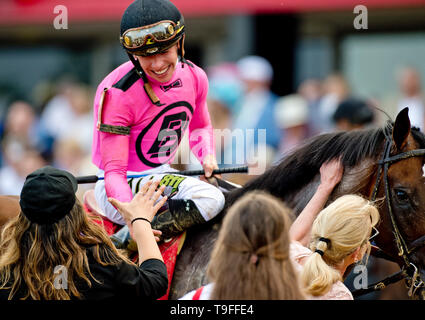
(409, 270)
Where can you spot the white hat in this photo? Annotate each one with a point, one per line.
(255, 68)
(291, 111)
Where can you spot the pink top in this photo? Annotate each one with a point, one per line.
(338, 290)
(155, 132)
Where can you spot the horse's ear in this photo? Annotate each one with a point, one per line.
(401, 128)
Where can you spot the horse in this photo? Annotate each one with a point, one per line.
(379, 163)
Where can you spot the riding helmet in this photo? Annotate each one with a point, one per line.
(149, 13)
(143, 13)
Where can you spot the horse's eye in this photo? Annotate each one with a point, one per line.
(401, 195)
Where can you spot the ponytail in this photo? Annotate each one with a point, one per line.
(317, 277)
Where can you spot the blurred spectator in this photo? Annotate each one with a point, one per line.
(224, 94)
(256, 113)
(221, 119)
(225, 86)
(220, 113)
(224, 97)
(412, 97)
(292, 116)
(22, 124)
(42, 92)
(312, 91)
(336, 89)
(19, 161)
(20, 121)
(68, 114)
(353, 114)
(69, 156)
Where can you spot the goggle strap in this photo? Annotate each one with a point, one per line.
(182, 51)
(151, 94)
(182, 45)
(182, 58)
(146, 85)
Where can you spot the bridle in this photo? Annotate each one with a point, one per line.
(408, 271)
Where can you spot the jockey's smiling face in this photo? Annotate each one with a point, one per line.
(160, 66)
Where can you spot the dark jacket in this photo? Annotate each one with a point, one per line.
(123, 281)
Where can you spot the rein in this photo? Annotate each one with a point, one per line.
(409, 271)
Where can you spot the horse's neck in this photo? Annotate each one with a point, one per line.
(297, 200)
(356, 180)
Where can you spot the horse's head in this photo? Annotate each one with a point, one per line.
(402, 183)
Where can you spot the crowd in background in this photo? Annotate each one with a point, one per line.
(240, 97)
(59, 130)
(57, 133)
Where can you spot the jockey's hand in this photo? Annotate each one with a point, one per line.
(143, 204)
(331, 173)
(209, 164)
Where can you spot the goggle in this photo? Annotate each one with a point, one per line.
(374, 233)
(158, 32)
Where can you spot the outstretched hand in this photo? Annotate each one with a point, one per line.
(331, 173)
(143, 204)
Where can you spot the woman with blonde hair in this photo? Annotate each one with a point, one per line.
(52, 251)
(250, 260)
(324, 242)
(339, 237)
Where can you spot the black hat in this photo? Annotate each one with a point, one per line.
(48, 195)
(356, 111)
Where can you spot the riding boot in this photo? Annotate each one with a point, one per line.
(180, 215)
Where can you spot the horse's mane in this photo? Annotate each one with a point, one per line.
(301, 165)
(419, 137)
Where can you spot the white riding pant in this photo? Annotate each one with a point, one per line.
(208, 199)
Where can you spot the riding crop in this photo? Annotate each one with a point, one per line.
(242, 169)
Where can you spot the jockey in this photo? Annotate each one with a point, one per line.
(142, 110)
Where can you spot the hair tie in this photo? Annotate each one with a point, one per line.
(253, 259)
(319, 252)
(328, 241)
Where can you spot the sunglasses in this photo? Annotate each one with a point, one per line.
(158, 32)
(374, 233)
